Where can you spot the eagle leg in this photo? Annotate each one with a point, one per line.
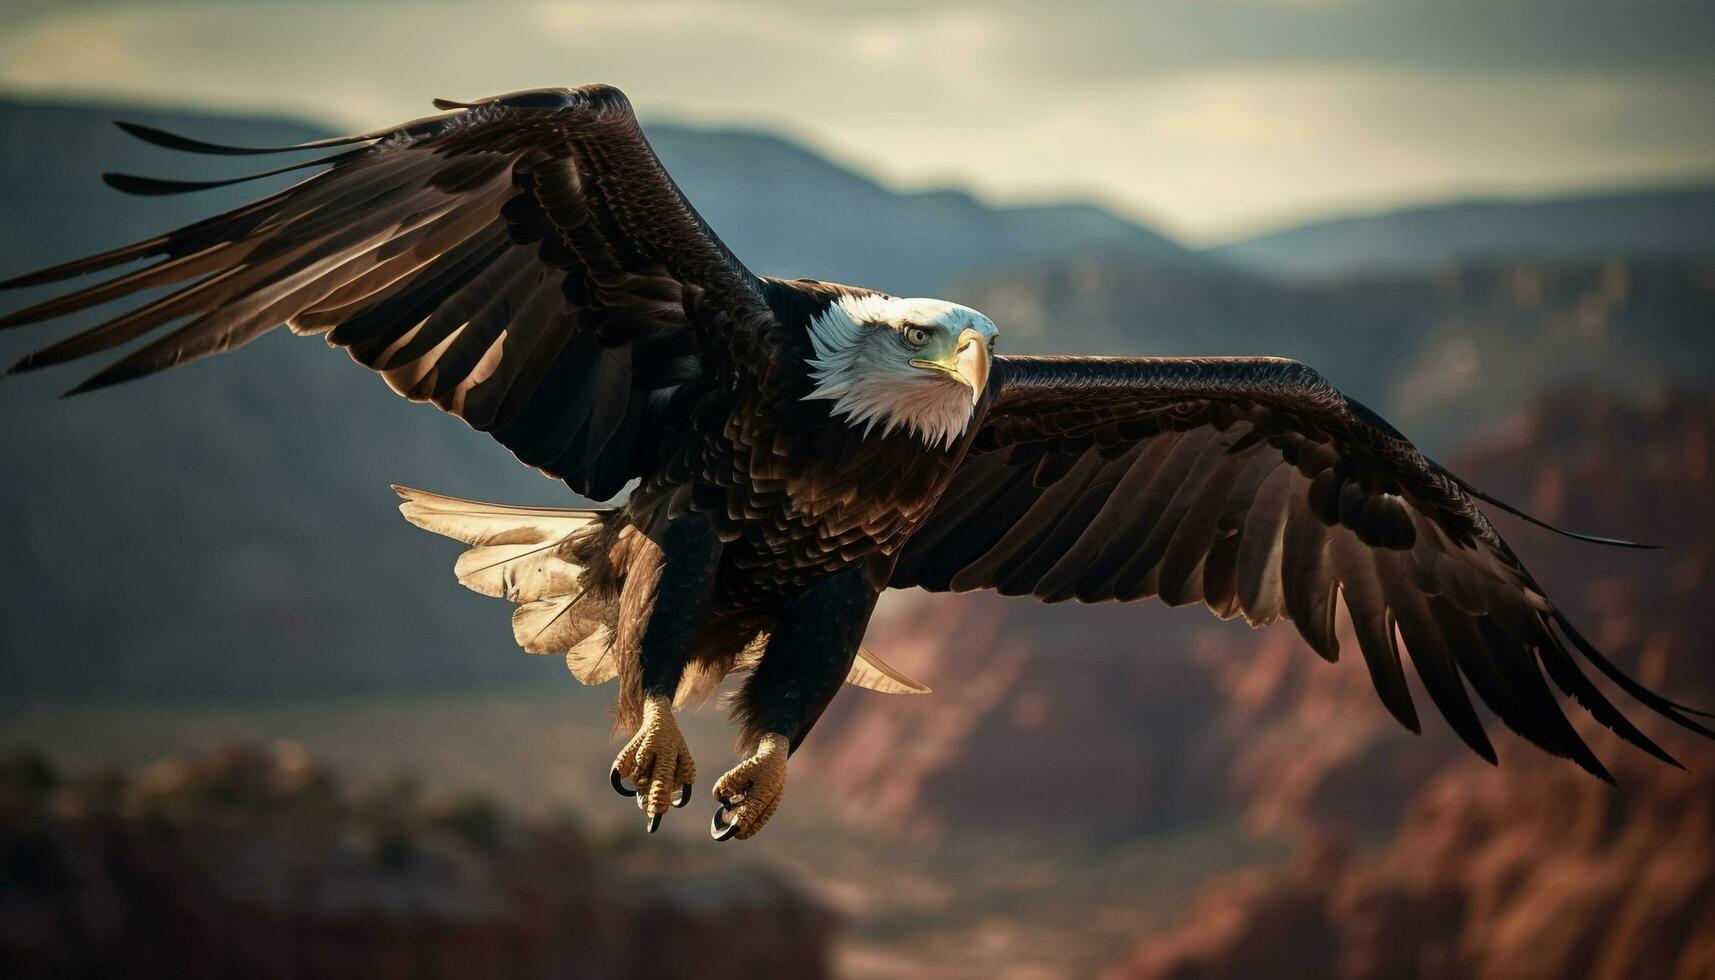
(810, 649)
(669, 573)
(657, 762)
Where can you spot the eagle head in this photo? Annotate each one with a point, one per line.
(915, 364)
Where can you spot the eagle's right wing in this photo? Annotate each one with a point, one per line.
(523, 262)
(1253, 486)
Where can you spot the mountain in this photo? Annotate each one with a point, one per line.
(788, 212)
(1632, 224)
(1442, 353)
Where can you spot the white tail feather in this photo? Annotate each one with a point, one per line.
(556, 625)
(479, 523)
(519, 572)
(523, 554)
(592, 661)
(869, 671)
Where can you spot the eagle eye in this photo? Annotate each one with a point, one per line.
(917, 336)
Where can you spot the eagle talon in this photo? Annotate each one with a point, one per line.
(750, 792)
(720, 831)
(652, 822)
(684, 797)
(617, 781)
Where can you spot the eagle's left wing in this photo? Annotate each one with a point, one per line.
(1252, 485)
(522, 262)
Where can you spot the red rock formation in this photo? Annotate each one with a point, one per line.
(1092, 718)
(1532, 870)
(1529, 872)
(252, 862)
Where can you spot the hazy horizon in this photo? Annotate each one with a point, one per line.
(1211, 122)
(955, 183)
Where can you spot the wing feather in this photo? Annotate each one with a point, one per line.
(1201, 452)
(1307, 583)
(870, 671)
(1372, 621)
(1430, 652)
(1133, 518)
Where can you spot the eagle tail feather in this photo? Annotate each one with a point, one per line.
(538, 558)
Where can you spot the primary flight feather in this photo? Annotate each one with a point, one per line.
(795, 447)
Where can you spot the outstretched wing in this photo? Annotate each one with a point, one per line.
(1253, 486)
(523, 262)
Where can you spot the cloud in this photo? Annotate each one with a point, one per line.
(1211, 118)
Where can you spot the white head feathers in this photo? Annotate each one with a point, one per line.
(864, 364)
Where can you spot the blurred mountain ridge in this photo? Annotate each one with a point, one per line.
(1608, 224)
(256, 860)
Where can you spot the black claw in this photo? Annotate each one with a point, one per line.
(653, 822)
(684, 796)
(618, 783)
(720, 831)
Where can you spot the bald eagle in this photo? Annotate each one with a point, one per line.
(795, 447)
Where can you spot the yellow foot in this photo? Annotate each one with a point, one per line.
(750, 792)
(657, 762)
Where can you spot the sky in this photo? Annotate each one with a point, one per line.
(1210, 120)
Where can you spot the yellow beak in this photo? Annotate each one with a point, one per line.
(968, 365)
